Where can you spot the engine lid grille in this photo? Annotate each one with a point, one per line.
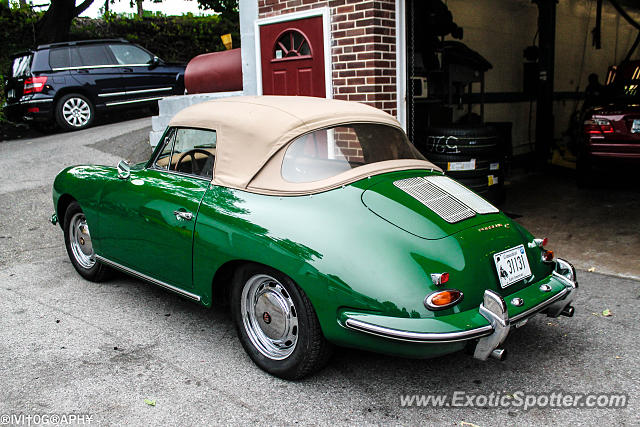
(445, 197)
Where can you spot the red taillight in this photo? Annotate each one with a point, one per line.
(598, 126)
(439, 278)
(541, 243)
(33, 110)
(34, 84)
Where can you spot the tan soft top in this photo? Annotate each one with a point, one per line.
(253, 130)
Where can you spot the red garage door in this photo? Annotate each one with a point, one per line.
(293, 58)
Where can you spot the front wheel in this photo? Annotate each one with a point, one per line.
(277, 324)
(77, 239)
(74, 112)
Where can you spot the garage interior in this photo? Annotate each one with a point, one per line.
(520, 68)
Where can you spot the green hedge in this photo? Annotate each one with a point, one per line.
(172, 38)
(175, 38)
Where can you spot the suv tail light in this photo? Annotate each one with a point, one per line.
(598, 126)
(34, 84)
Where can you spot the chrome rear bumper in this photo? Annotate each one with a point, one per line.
(494, 309)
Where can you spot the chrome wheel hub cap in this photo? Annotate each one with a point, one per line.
(80, 241)
(269, 317)
(76, 112)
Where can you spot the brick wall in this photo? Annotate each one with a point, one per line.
(363, 44)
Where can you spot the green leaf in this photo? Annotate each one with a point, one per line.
(607, 313)
(150, 402)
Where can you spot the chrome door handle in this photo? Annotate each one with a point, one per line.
(181, 215)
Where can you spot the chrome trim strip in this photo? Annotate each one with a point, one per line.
(160, 89)
(106, 95)
(92, 67)
(540, 306)
(132, 92)
(36, 101)
(148, 278)
(109, 104)
(425, 337)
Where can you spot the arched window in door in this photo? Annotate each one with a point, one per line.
(291, 44)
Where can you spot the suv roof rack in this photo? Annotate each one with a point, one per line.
(78, 42)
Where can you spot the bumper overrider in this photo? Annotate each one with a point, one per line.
(493, 308)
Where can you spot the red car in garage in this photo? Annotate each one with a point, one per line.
(612, 132)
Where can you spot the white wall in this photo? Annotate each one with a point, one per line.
(248, 16)
(501, 29)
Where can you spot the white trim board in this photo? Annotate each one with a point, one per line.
(326, 36)
(401, 63)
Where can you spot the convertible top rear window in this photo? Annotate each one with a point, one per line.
(328, 152)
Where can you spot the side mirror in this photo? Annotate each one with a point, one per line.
(124, 170)
(155, 61)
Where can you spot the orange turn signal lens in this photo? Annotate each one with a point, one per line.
(547, 256)
(440, 300)
(444, 298)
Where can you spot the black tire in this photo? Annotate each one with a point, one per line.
(461, 140)
(483, 166)
(74, 112)
(476, 184)
(92, 270)
(480, 185)
(311, 350)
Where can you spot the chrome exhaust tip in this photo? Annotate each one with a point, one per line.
(499, 353)
(568, 311)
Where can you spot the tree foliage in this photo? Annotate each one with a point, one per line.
(227, 8)
(55, 23)
(173, 38)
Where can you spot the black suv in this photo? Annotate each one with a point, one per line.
(67, 83)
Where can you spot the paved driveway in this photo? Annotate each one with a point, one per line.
(71, 346)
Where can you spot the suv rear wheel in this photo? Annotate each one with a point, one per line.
(74, 112)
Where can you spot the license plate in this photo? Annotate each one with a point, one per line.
(512, 265)
(635, 127)
(11, 93)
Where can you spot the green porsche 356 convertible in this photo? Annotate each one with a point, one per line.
(319, 224)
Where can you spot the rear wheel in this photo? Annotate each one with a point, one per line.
(277, 324)
(77, 239)
(74, 112)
